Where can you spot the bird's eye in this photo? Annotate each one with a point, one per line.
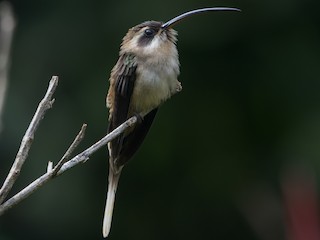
(149, 32)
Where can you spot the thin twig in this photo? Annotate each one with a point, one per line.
(80, 158)
(72, 147)
(27, 139)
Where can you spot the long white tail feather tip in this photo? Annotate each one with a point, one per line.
(108, 214)
(112, 188)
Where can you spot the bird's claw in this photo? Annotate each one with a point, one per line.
(139, 118)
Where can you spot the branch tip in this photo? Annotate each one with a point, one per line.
(49, 167)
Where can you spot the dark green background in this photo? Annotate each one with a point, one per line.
(248, 112)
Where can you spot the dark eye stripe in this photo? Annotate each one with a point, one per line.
(147, 36)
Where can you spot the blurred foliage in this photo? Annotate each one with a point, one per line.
(249, 109)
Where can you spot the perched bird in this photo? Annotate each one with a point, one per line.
(144, 77)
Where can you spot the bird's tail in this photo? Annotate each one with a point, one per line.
(112, 188)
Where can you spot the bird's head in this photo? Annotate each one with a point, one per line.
(149, 38)
(153, 37)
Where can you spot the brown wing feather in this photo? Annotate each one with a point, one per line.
(121, 88)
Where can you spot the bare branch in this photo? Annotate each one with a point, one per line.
(80, 158)
(27, 139)
(63, 165)
(7, 24)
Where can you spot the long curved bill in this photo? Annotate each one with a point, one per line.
(177, 19)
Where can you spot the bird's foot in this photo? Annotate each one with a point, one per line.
(139, 118)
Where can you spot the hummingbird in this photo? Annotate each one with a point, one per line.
(144, 77)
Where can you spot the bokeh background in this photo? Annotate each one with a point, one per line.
(235, 155)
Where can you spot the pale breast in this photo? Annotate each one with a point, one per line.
(154, 84)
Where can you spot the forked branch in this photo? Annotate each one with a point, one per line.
(65, 162)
